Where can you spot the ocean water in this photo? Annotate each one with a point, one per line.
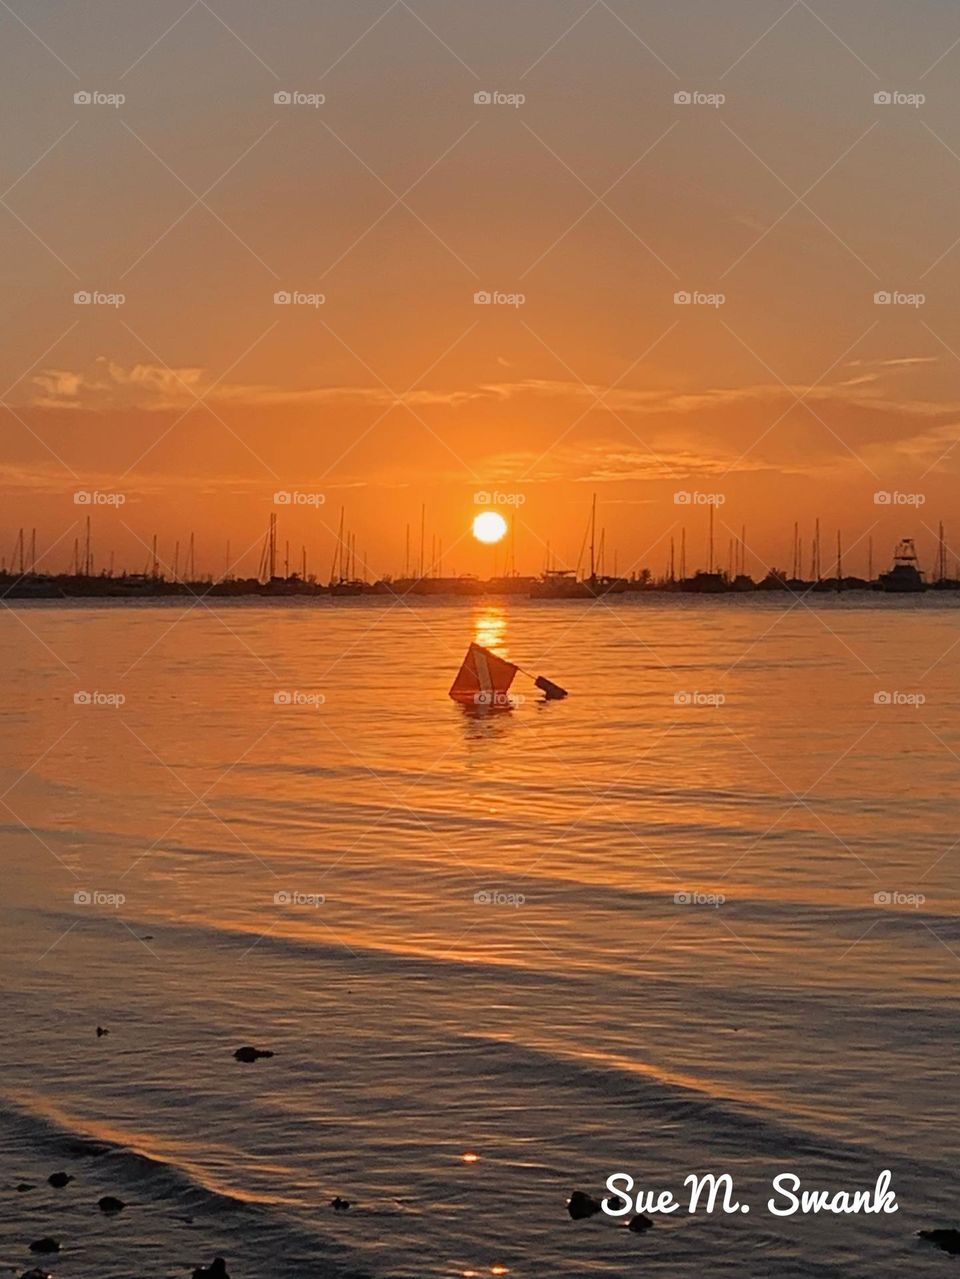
(700, 916)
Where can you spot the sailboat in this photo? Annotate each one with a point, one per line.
(342, 579)
(563, 583)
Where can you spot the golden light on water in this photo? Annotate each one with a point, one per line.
(489, 527)
(469, 1157)
(490, 627)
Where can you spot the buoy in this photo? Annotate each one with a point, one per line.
(552, 691)
(484, 679)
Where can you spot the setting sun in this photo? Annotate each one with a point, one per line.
(489, 527)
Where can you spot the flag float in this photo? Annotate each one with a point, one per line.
(484, 680)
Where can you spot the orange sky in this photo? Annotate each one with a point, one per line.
(597, 199)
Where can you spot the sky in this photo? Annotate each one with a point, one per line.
(782, 199)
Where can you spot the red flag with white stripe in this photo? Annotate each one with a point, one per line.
(484, 679)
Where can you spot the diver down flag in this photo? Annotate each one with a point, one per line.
(484, 679)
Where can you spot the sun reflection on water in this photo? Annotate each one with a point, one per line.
(490, 627)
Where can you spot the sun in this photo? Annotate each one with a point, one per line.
(489, 527)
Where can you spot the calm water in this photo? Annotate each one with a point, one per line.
(573, 1020)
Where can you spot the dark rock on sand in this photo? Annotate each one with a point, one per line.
(59, 1179)
(101, 1032)
(216, 1270)
(581, 1205)
(943, 1237)
(109, 1204)
(640, 1223)
(46, 1244)
(24, 1186)
(246, 1053)
(339, 1205)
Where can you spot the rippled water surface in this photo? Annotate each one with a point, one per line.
(699, 916)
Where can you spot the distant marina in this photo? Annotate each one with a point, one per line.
(22, 578)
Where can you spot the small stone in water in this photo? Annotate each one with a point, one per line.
(46, 1244)
(581, 1205)
(944, 1237)
(216, 1270)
